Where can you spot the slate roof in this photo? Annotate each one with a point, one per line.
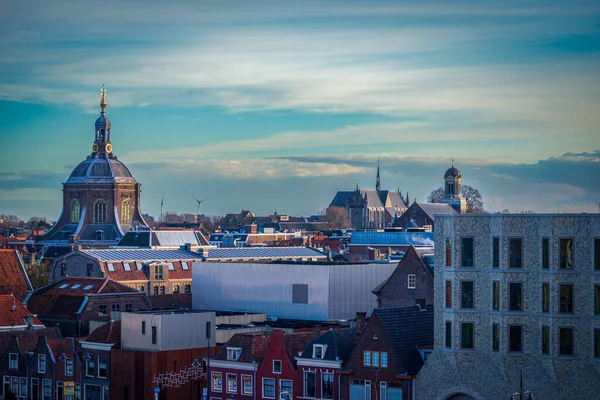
(110, 332)
(407, 328)
(262, 252)
(13, 313)
(370, 238)
(436, 208)
(383, 198)
(303, 226)
(339, 342)
(141, 254)
(412, 255)
(254, 347)
(171, 301)
(28, 339)
(13, 277)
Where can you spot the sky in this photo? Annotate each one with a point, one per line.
(276, 105)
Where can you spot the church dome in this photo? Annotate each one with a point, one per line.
(102, 122)
(101, 170)
(452, 172)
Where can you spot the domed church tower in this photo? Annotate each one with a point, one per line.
(101, 199)
(453, 190)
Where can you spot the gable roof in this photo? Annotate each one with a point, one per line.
(407, 328)
(253, 345)
(339, 342)
(435, 208)
(13, 277)
(13, 313)
(107, 333)
(28, 338)
(412, 256)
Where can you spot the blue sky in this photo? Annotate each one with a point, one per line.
(276, 105)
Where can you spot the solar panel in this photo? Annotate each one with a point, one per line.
(141, 254)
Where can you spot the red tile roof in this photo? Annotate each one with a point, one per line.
(62, 346)
(121, 274)
(254, 347)
(13, 313)
(13, 278)
(179, 272)
(107, 333)
(28, 339)
(171, 301)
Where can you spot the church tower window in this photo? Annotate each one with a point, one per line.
(126, 212)
(75, 211)
(100, 212)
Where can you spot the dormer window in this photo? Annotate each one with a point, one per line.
(318, 351)
(233, 353)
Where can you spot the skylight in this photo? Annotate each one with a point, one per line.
(88, 287)
(76, 286)
(139, 266)
(185, 265)
(64, 285)
(171, 267)
(126, 266)
(110, 267)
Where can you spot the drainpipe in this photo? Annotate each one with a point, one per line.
(254, 382)
(339, 386)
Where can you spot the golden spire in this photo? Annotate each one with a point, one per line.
(103, 99)
(452, 157)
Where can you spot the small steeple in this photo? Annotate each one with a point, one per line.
(103, 100)
(102, 145)
(378, 182)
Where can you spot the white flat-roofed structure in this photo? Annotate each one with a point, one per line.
(311, 291)
(166, 330)
(292, 253)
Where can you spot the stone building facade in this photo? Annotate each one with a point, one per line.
(515, 293)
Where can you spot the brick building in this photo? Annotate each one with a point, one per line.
(515, 293)
(13, 277)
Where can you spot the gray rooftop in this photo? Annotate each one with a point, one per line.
(141, 254)
(262, 252)
(392, 238)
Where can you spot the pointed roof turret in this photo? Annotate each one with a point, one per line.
(378, 181)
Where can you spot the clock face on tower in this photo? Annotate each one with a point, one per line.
(95, 148)
(108, 148)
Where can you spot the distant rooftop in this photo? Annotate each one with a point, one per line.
(141, 254)
(261, 253)
(392, 238)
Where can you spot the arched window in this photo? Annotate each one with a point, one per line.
(126, 212)
(100, 212)
(75, 211)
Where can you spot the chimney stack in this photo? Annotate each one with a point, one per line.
(361, 322)
(316, 332)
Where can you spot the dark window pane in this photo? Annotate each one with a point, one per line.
(516, 297)
(448, 252)
(300, 293)
(496, 252)
(545, 253)
(448, 334)
(466, 252)
(515, 339)
(496, 295)
(516, 253)
(153, 335)
(495, 337)
(466, 335)
(545, 297)
(597, 299)
(596, 342)
(566, 298)
(448, 294)
(566, 253)
(545, 340)
(566, 341)
(596, 254)
(466, 294)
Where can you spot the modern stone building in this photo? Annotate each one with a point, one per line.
(515, 293)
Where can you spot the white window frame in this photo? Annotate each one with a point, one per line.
(233, 353)
(87, 366)
(412, 277)
(40, 358)
(243, 392)
(280, 367)
(367, 390)
(44, 381)
(386, 359)
(66, 365)
(212, 381)
(382, 390)
(235, 378)
(375, 359)
(11, 361)
(263, 388)
(21, 380)
(365, 358)
(304, 383)
(291, 392)
(105, 367)
(320, 346)
(332, 380)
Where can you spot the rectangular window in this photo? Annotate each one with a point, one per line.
(545, 253)
(496, 337)
(412, 281)
(466, 294)
(516, 296)
(268, 385)
(515, 338)
(143, 327)
(23, 384)
(310, 387)
(384, 359)
(14, 385)
(175, 288)
(41, 363)
(217, 381)
(466, 251)
(448, 252)
(566, 298)
(326, 386)
(232, 383)
(367, 390)
(318, 351)
(597, 299)
(154, 339)
(496, 295)
(155, 289)
(47, 388)
(545, 297)
(69, 367)
(276, 366)
(90, 367)
(597, 254)
(116, 307)
(101, 366)
(299, 293)
(449, 294)
(188, 288)
(566, 341)
(162, 289)
(103, 310)
(158, 272)
(128, 307)
(566, 253)
(466, 335)
(367, 358)
(375, 359)
(383, 391)
(233, 353)
(448, 334)
(545, 340)
(13, 361)
(495, 252)
(247, 385)
(515, 253)
(286, 390)
(596, 342)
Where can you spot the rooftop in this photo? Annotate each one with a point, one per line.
(261, 252)
(13, 277)
(371, 238)
(14, 314)
(144, 255)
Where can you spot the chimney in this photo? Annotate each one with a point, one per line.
(187, 246)
(29, 321)
(316, 332)
(361, 322)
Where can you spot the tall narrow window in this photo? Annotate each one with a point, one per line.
(41, 363)
(154, 334)
(566, 253)
(596, 342)
(495, 337)
(515, 338)
(545, 340)
(367, 358)
(566, 298)
(126, 212)
(565, 341)
(516, 253)
(448, 294)
(102, 366)
(69, 367)
(545, 253)
(466, 251)
(100, 212)
(466, 335)
(496, 252)
(449, 334)
(597, 254)
(516, 296)
(326, 386)
(466, 294)
(310, 384)
(158, 273)
(412, 281)
(597, 299)
(545, 297)
(448, 252)
(496, 295)
(75, 211)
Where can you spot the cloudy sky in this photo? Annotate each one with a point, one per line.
(276, 105)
